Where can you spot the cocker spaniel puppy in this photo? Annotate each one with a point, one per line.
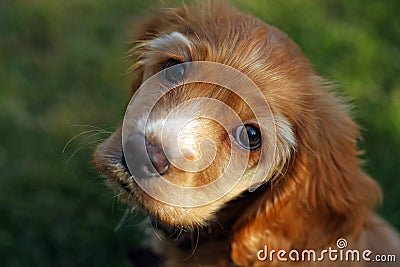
(239, 152)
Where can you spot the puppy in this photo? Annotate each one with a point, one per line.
(239, 152)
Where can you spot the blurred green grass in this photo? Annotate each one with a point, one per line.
(62, 64)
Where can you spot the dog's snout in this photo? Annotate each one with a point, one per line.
(144, 158)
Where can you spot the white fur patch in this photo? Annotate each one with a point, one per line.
(286, 141)
(169, 41)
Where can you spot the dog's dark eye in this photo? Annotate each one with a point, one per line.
(248, 136)
(173, 71)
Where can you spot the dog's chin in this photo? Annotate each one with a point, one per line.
(189, 218)
(129, 192)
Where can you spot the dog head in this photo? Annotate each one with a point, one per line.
(222, 104)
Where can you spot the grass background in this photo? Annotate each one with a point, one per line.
(62, 65)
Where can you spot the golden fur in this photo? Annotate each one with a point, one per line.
(318, 192)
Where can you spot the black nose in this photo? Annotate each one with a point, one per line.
(143, 158)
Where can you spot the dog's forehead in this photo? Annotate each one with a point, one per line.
(257, 49)
(191, 46)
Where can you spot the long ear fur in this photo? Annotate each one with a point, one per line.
(167, 20)
(323, 196)
(147, 30)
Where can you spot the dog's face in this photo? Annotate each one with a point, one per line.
(214, 113)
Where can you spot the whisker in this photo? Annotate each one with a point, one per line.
(90, 126)
(154, 228)
(93, 132)
(80, 148)
(76, 136)
(195, 244)
(88, 137)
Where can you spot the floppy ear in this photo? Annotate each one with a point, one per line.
(167, 20)
(145, 30)
(323, 196)
(163, 21)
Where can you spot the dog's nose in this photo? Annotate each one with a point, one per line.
(143, 158)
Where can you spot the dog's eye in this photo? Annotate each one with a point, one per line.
(173, 71)
(248, 136)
